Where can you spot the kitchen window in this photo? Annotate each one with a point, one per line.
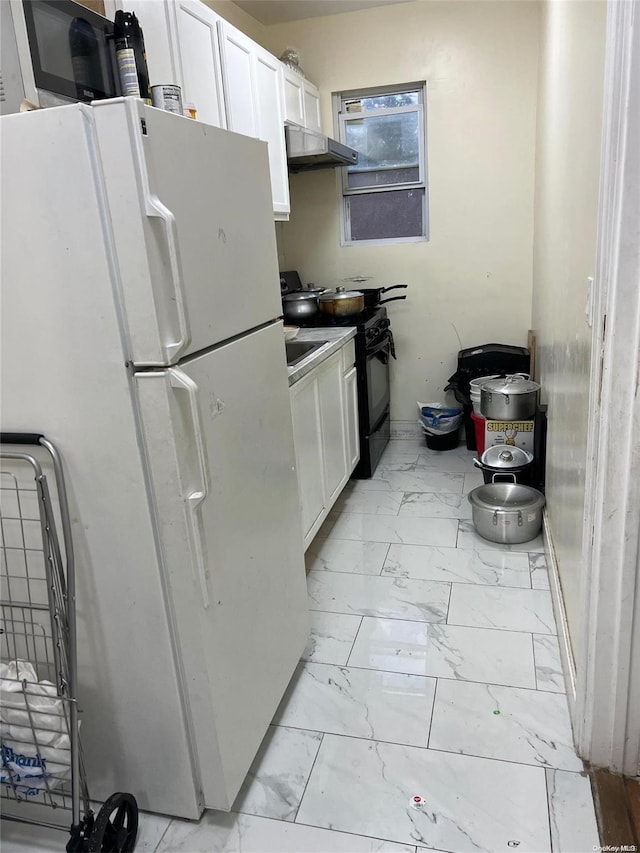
(384, 196)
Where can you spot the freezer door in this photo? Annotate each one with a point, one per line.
(219, 443)
(191, 216)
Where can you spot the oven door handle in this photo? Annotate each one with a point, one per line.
(381, 423)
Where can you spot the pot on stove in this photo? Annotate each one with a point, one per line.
(341, 303)
(301, 306)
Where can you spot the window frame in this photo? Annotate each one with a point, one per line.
(340, 119)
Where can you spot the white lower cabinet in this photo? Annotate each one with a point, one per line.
(324, 407)
(351, 402)
(332, 417)
(307, 437)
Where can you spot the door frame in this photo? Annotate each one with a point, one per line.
(607, 707)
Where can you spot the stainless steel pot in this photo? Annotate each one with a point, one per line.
(507, 512)
(341, 303)
(299, 306)
(502, 461)
(510, 398)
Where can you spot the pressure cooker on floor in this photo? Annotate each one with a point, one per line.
(506, 463)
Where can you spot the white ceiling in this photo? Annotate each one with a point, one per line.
(279, 11)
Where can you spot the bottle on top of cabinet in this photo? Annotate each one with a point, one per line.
(131, 56)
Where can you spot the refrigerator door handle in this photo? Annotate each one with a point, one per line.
(156, 209)
(179, 380)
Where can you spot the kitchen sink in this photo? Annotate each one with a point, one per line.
(297, 350)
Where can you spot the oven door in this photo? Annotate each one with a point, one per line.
(378, 394)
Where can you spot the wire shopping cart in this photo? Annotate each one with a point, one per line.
(39, 728)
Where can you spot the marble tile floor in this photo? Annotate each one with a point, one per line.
(432, 671)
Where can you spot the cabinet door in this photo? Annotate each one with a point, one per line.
(311, 105)
(330, 385)
(159, 40)
(238, 81)
(199, 60)
(271, 125)
(351, 419)
(307, 439)
(293, 96)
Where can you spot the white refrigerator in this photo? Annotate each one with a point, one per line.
(140, 289)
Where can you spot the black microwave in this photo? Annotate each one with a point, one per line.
(69, 51)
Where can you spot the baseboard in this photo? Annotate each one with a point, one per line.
(405, 429)
(568, 663)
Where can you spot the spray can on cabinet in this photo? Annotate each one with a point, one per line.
(130, 56)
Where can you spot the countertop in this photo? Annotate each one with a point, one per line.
(335, 338)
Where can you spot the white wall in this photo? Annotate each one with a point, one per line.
(237, 17)
(567, 174)
(471, 283)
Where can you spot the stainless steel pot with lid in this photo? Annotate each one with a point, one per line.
(509, 398)
(507, 512)
(341, 302)
(505, 457)
(507, 497)
(505, 461)
(301, 305)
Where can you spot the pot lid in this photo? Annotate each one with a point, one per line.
(513, 384)
(300, 296)
(338, 293)
(507, 497)
(505, 456)
(481, 380)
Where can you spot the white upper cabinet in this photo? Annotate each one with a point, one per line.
(181, 42)
(198, 60)
(311, 97)
(159, 40)
(238, 79)
(233, 82)
(271, 125)
(252, 93)
(293, 96)
(301, 99)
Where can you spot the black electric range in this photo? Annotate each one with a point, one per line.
(374, 348)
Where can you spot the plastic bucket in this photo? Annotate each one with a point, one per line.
(478, 426)
(439, 418)
(475, 390)
(443, 440)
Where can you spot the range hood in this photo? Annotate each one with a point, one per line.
(307, 150)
